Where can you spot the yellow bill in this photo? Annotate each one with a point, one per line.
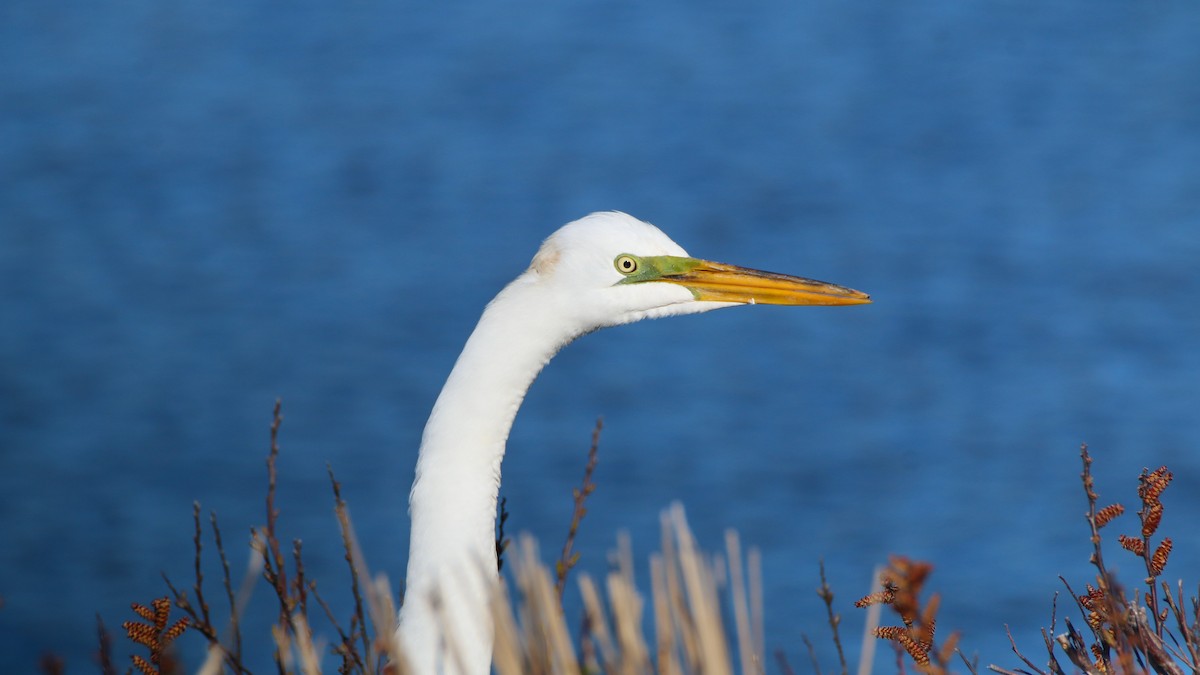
(719, 282)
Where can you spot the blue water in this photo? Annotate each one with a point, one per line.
(205, 206)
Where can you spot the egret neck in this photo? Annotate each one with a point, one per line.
(601, 270)
(452, 554)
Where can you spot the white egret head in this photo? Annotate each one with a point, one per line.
(611, 268)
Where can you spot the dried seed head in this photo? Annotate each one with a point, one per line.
(162, 609)
(889, 632)
(1151, 517)
(919, 653)
(143, 665)
(141, 633)
(884, 597)
(175, 630)
(1134, 546)
(1106, 514)
(925, 639)
(1093, 597)
(142, 611)
(1153, 483)
(1159, 560)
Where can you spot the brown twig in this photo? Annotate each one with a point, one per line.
(501, 540)
(1089, 488)
(346, 647)
(201, 620)
(198, 587)
(812, 654)
(235, 629)
(359, 621)
(274, 570)
(1021, 656)
(568, 559)
(785, 667)
(1189, 634)
(1055, 667)
(826, 595)
(52, 664)
(104, 656)
(971, 664)
(299, 586)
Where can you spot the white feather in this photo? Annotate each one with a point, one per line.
(571, 288)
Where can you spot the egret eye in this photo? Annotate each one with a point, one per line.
(626, 264)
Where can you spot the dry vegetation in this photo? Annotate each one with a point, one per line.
(704, 610)
(1154, 629)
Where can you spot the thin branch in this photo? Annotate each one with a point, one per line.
(343, 516)
(198, 588)
(826, 595)
(346, 648)
(104, 656)
(1021, 656)
(501, 540)
(235, 629)
(786, 667)
(276, 573)
(568, 559)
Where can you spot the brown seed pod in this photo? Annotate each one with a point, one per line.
(1134, 546)
(1151, 519)
(143, 611)
(884, 597)
(144, 665)
(1153, 484)
(1106, 514)
(1159, 560)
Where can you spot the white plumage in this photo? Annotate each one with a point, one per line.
(602, 270)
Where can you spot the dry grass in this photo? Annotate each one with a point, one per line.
(704, 611)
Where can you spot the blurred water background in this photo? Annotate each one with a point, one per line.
(205, 206)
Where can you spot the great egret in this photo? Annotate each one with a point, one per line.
(602, 270)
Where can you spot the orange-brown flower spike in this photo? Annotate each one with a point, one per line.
(1151, 519)
(1153, 483)
(1093, 597)
(175, 630)
(154, 636)
(141, 633)
(884, 597)
(143, 665)
(926, 637)
(1134, 546)
(1159, 560)
(162, 609)
(143, 611)
(1106, 514)
(919, 653)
